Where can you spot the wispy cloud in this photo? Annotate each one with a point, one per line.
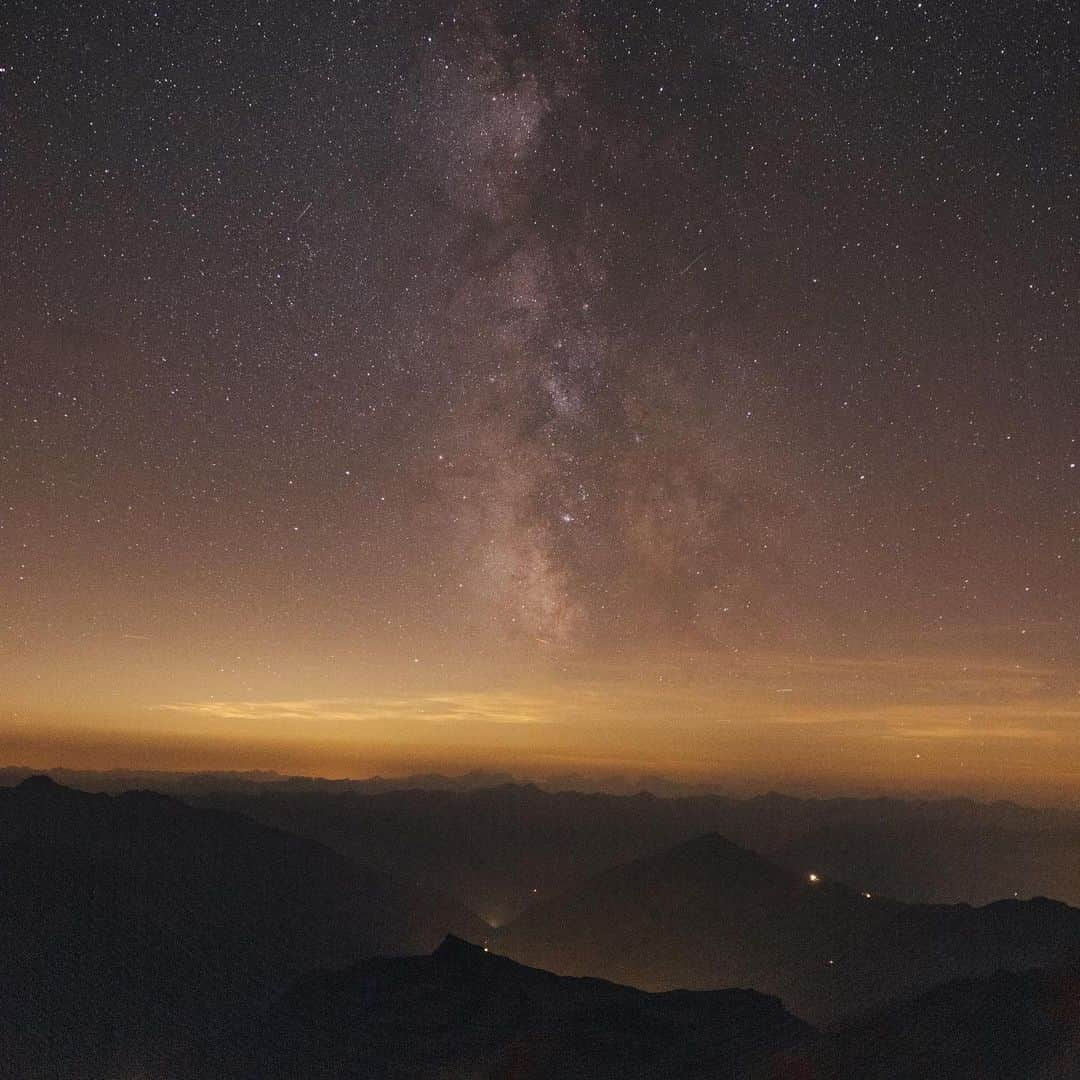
(511, 709)
(869, 709)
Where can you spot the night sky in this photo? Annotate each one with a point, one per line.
(603, 387)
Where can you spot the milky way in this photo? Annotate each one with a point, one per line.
(356, 348)
(597, 495)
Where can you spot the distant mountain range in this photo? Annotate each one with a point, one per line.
(491, 844)
(114, 781)
(709, 913)
(491, 847)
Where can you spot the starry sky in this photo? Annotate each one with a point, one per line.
(621, 386)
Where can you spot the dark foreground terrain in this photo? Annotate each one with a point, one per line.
(131, 926)
(462, 1012)
(142, 938)
(1007, 1026)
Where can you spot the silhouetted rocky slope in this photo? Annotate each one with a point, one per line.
(131, 925)
(709, 914)
(1006, 1026)
(462, 1012)
(142, 938)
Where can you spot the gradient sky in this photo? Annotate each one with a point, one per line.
(625, 387)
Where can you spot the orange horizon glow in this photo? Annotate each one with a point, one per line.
(825, 725)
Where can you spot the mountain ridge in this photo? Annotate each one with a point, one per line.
(709, 913)
(462, 1011)
(129, 921)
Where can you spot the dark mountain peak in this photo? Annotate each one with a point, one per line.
(519, 790)
(47, 798)
(1047, 903)
(482, 1015)
(1012, 904)
(42, 793)
(39, 783)
(710, 913)
(713, 855)
(457, 959)
(714, 844)
(459, 952)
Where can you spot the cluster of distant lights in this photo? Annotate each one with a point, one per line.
(815, 879)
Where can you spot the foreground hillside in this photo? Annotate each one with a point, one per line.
(1005, 1026)
(463, 1012)
(130, 926)
(708, 914)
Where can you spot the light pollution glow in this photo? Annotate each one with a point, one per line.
(821, 725)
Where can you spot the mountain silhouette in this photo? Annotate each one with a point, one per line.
(463, 1012)
(1005, 1026)
(131, 926)
(144, 938)
(709, 913)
